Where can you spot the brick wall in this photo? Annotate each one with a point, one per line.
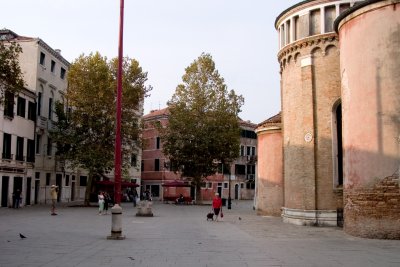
(374, 212)
(310, 88)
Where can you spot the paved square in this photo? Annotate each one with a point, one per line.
(179, 236)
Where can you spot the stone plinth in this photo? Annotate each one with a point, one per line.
(144, 209)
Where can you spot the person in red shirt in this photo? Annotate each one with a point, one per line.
(217, 205)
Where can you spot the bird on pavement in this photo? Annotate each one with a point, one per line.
(240, 218)
(22, 236)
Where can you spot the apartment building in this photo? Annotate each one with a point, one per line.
(156, 169)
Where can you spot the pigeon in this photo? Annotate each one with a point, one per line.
(240, 218)
(22, 236)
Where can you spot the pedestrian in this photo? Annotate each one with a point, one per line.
(134, 197)
(16, 198)
(217, 205)
(147, 195)
(107, 200)
(53, 195)
(100, 197)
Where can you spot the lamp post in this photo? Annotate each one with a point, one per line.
(116, 211)
(229, 192)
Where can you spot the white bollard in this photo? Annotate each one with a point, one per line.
(116, 223)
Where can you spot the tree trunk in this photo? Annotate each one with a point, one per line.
(88, 189)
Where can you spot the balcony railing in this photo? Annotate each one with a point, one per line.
(41, 122)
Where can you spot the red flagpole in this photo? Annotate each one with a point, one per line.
(118, 152)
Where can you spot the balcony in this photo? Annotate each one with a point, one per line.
(51, 125)
(41, 122)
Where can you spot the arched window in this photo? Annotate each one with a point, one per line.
(337, 146)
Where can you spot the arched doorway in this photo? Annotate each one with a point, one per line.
(236, 191)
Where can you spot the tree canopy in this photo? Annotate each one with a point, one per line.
(203, 128)
(11, 78)
(85, 133)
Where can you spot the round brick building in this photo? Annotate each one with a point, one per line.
(370, 67)
(311, 112)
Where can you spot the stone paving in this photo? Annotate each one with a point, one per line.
(179, 236)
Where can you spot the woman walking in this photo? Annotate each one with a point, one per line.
(101, 202)
(217, 205)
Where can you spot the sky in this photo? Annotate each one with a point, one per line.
(166, 36)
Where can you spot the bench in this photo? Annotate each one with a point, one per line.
(186, 200)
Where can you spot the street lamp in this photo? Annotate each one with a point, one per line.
(116, 210)
(229, 190)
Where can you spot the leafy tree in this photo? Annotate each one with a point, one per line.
(11, 79)
(203, 127)
(85, 134)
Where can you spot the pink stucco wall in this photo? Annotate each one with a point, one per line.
(370, 67)
(270, 172)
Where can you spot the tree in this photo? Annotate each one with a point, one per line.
(203, 127)
(85, 133)
(11, 79)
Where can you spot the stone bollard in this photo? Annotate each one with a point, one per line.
(144, 209)
(116, 223)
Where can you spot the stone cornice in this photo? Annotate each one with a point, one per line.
(312, 41)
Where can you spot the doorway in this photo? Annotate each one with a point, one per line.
(59, 184)
(4, 191)
(236, 191)
(28, 191)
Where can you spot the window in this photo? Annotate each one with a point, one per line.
(53, 65)
(133, 160)
(9, 104)
(38, 143)
(253, 150)
(251, 169)
(330, 15)
(30, 154)
(225, 185)
(248, 134)
(50, 108)
(37, 175)
(157, 165)
(62, 73)
(66, 180)
(240, 169)
(242, 151)
(158, 143)
(21, 103)
(6, 146)
(20, 149)
(49, 146)
(82, 180)
(209, 185)
(31, 111)
(39, 102)
(48, 177)
(248, 151)
(42, 58)
(315, 24)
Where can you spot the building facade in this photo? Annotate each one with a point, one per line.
(17, 143)
(311, 112)
(156, 169)
(340, 113)
(369, 36)
(45, 74)
(269, 180)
